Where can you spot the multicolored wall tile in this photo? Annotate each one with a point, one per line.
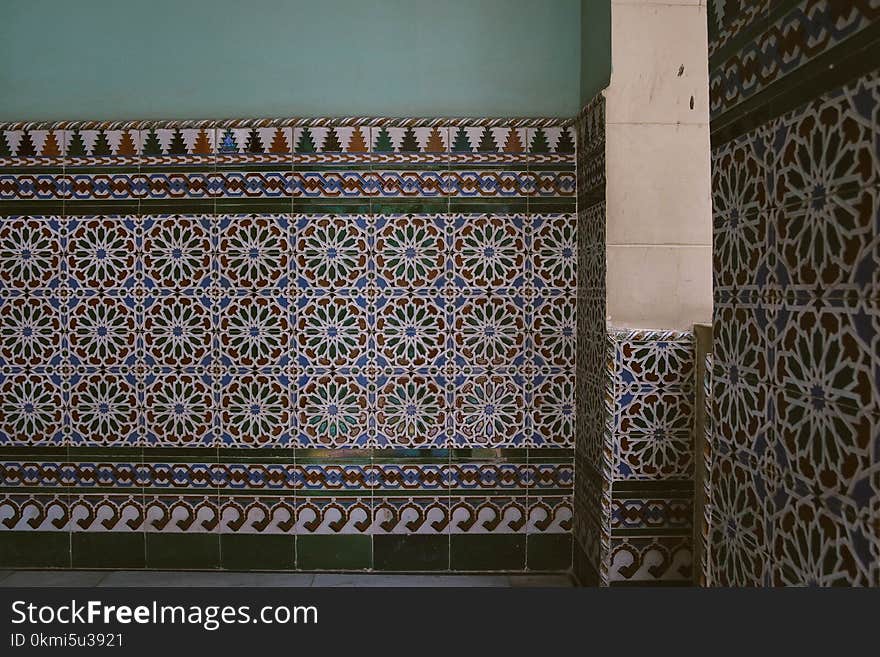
(795, 490)
(313, 343)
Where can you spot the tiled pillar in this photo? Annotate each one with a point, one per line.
(646, 253)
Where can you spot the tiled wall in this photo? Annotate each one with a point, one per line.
(795, 480)
(340, 344)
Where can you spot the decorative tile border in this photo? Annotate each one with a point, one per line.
(808, 30)
(244, 514)
(290, 122)
(658, 559)
(287, 477)
(297, 145)
(285, 184)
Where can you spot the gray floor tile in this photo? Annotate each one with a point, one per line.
(554, 581)
(47, 578)
(373, 580)
(145, 578)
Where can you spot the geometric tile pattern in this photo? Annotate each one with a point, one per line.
(358, 329)
(795, 373)
(649, 435)
(276, 329)
(634, 509)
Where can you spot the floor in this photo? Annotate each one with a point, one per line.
(143, 578)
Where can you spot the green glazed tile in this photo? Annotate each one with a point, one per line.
(488, 551)
(32, 208)
(92, 207)
(124, 454)
(488, 206)
(35, 550)
(174, 454)
(107, 550)
(330, 206)
(257, 551)
(179, 551)
(350, 552)
(177, 206)
(34, 453)
(548, 552)
(254, 206)
(410, 206)
(411, 552)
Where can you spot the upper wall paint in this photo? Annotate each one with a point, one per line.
(595, 48)
(113, 59)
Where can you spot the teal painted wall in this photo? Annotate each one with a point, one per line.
(122, 59)
(595, 48)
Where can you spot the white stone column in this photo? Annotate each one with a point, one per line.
(659, 215)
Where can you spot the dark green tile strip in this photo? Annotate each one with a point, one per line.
(183, 551)
(32, 452)
(404, 206)
(488, 551)
(253, 206)
(509, 455)
(108, 550)
(348, 552)
(549, 552)
(411, 552)
(257, 552)
(651, 531)
(34, 550)
(33, 208)
(563, 204)
(485, 206)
